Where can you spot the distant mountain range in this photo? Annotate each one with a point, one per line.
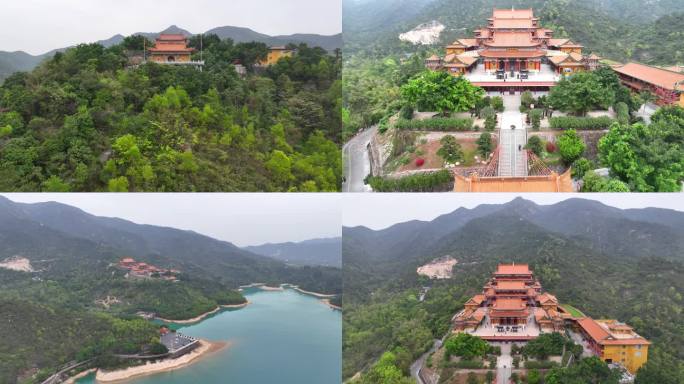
(11, 62)
(568, 232)
(615, 29)
(59, 240)
(326, 252)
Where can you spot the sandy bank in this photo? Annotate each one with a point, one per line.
(316, 294)
(206, 348)
(331, 305)
(85, 373)
(204, 315)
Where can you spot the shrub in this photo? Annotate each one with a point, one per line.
(595, 183)
(406, 112)
(487, 112)
(622, 112)
(439, 181)
(5, 131)
(492, 361)
(535, 116)
(570, 146)
(485, 146)
(497, 103)
(581, 123)
(490, 123)
(419, 162)
(436, 124)
(526, 100)
(545, 364)
(383, 124)
(516, 362)
(534, 144)
(550, 147)
(580, 167)
(451, 150)
(469, 364)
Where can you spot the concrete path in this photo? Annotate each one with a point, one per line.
(418, 364)
(512, 156)
(356, 161)
(503, 364)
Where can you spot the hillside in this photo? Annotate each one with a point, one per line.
(88, 119)
(70, 282)
(605, 254)
(326, 252)
(11, 62)
(617, 30)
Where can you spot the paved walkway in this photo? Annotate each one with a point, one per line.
(503, 364)
(512, 140)
(478, 74)
(357, 162)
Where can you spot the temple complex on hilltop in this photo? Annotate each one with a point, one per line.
(513, 308)
(667, 85)
(513, 49)
(172, 49)
(135, 269)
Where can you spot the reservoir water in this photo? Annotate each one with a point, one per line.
(283, 337)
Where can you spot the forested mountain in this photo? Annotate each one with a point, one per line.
(618, 30)
(327, 252)
(89, 120)
(11, 62)
(609, 262)
(70, 301)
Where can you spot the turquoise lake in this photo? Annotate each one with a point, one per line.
(282, 337)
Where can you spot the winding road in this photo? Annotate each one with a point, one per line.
(415, 367)
(356, 161)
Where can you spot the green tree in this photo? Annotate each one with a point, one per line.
(535, 144)
(465, 345)
(570, 146)
(489, 377)
(591, 182)
(534, 377)
(580, 93)
(450, 150)
(535, 116)
(280, 167)
(484, 144)
(490, 123)
(439, 91)
(497, 103)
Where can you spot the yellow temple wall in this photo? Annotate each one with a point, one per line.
(681, 100)
(456, 51)
(631, 356)
(274, 56)
(163, 58)
(571, 50)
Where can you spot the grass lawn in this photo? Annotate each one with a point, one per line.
(573, 311)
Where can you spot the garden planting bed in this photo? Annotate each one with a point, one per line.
(428, 152)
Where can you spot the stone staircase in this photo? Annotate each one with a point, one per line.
(512, 161)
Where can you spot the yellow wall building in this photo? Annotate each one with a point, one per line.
(615, 342)
(275, 54)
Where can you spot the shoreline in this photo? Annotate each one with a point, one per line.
(206, 348)
(72, 379)
(331, 305)
(283, 286)
(204, 315)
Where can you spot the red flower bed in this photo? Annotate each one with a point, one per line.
(550, 147)
(420, 161)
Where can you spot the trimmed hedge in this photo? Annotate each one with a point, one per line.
(469, 364)
(440, 181)
(581, 123)
(536, 364)
(436, 124)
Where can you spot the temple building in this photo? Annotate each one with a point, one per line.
(172, 49)
(513, 298)
(513, 48)
(615, 342)
(275, 54)
(513, 308)
(665, 84)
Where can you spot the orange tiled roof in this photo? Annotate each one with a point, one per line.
(652, 75)
(593, 329)
(513, 269)
(171, 37)
(477, 299)
(510, 284)
(468, 42)
(547, 297)
(513, 13)
(509, 304)
(513, 23)
(557, 42)
(512, 39)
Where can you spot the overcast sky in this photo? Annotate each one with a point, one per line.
(38, 26)
(241, 218)
(378, 211)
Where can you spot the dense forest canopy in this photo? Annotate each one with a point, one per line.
(86, 120)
